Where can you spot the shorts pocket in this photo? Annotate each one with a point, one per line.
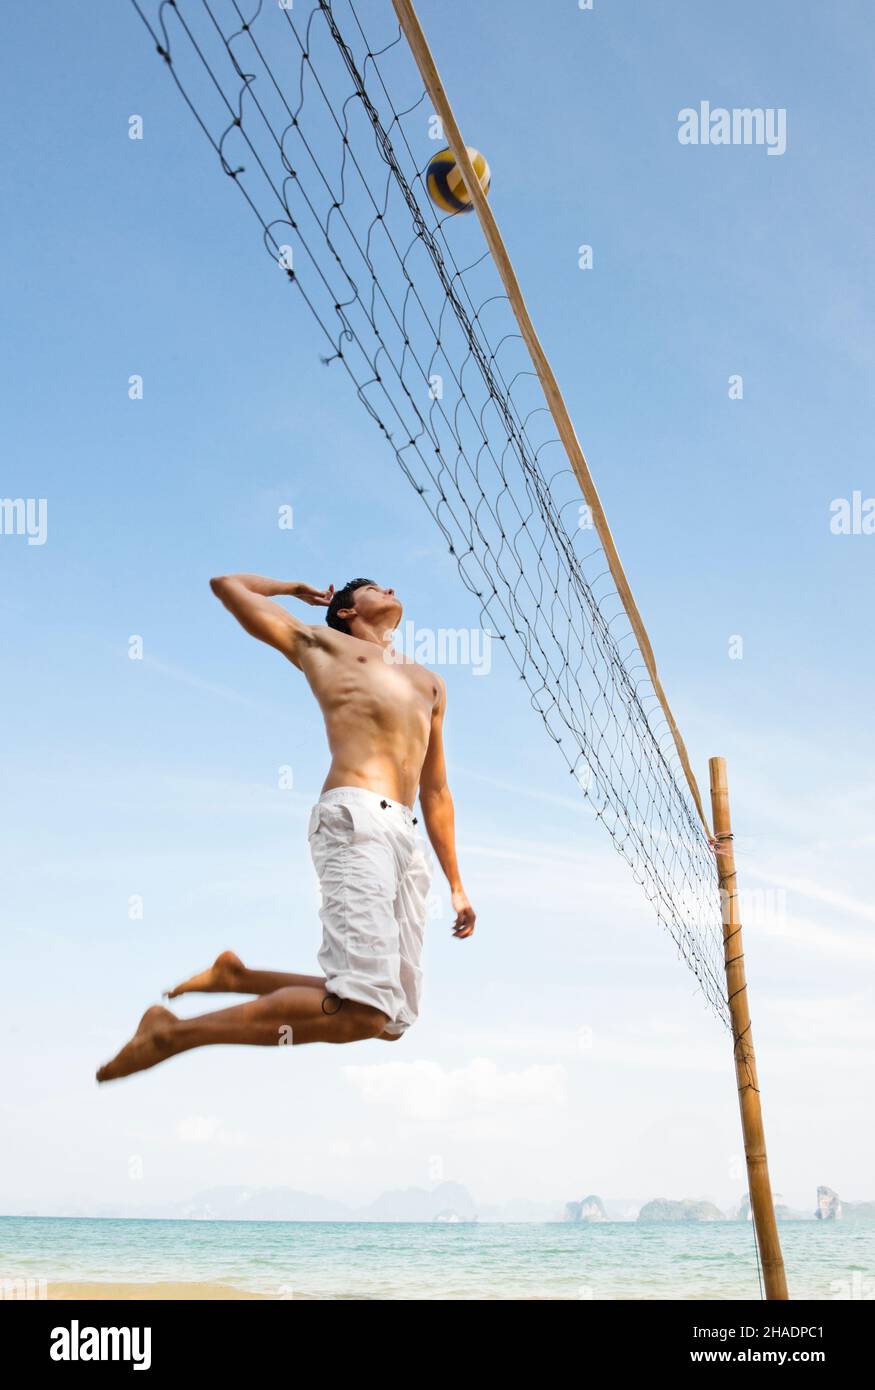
(357, 824)
(341, 823)
(365, 825)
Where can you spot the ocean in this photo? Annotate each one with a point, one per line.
(399, 1260)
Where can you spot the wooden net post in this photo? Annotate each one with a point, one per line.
(422, 56)
(745, 1066)
(759, 1185)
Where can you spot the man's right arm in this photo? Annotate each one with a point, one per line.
(249, 598)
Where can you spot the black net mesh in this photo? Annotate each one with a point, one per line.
(319, 118)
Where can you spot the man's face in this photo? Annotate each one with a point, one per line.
(378, 606)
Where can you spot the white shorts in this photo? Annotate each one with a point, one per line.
(375, 879)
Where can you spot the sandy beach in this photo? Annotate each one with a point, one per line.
(147, 1292)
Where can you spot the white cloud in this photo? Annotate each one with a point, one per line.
(209, 1129)
(819, 892)
(803, 932)
(478, 1093)
(825, 1023)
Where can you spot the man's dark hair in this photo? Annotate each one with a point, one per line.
(343, 598)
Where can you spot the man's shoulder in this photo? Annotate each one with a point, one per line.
(440, 687)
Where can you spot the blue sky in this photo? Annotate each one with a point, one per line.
(160, 777)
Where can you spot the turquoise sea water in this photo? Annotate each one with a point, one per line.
(370, 1260)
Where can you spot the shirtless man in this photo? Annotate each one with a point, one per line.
(384, 719)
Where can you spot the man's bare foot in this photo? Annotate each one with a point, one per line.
(150, 1044)
(221, 978)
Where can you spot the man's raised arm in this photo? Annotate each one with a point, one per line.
(439, 816)
(249, 598)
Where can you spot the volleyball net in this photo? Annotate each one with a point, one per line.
(317, 112)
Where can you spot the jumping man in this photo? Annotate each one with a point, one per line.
(384, 720)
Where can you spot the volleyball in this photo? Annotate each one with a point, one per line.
(445, 184)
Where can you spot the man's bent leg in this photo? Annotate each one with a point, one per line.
(228, 975)
(290, 1016)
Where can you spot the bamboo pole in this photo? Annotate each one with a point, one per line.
(425, 62)
(759, 1185)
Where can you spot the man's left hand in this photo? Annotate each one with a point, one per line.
(465, 914)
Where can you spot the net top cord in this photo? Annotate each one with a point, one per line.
(324, 129)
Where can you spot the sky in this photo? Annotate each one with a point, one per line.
(563, 1049)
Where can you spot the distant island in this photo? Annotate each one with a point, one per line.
(662, 1210)
(446, 1202)
(590, 1209)
(831, 1208)
(828, 1207)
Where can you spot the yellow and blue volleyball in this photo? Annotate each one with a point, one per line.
(445, 184)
